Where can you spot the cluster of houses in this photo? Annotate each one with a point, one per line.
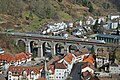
(112, 21)
(82, 27)
(58, 68)
(18, 59)
(55, 28)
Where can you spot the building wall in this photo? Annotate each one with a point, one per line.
(101, 61)
(60, 74)
(114, 16)
(114, 69)
(114, 25)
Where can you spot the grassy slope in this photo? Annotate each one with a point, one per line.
(70, 11)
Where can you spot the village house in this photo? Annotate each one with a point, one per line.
(61, 71)
(87, 68)
(113, 16)
(24, 72)
(69, 60)
(6, 59)
(114, 68)
(113, 24)
(1, 51)
(102, 57)
(89, 20)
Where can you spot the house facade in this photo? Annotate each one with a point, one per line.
(114, 68)
(6, 59)
(24, 72)
(61, 71)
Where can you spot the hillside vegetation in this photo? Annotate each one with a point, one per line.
(29, 15)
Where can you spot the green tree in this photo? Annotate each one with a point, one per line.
(95, 26)
(90, 7)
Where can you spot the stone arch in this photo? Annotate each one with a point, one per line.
(34, 47)
(73, 48)
(59, 48)
(46, 46)
(21, 44)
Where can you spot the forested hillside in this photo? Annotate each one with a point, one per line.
(31, 14)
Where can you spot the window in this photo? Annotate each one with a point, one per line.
(32, 75)
(10, 73)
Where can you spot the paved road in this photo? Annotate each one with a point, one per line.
(76, 72)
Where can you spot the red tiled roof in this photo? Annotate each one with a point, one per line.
(68, 58)
(89, 59)
(19, 56)
(20, 69)
(7, 57)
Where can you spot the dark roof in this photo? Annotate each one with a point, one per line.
(106, 35)
(114, 64)
(60, 66)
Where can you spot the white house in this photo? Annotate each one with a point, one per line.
(61, 71)
(101, 61)
(69, 60)
(6, 59)
(114, 24)
(89, 20)
(113, 16)
(114, 68)
(24, 72)
(1, 51)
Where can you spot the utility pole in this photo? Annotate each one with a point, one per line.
(46, 71)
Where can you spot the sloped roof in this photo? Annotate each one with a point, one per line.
(20, 69)
(77, 53)
(68, 58)
(89, 59)
(84, 50)
(7, 57)
(19, 56)
(60, 66)
(54, 59)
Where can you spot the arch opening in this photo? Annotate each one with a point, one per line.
(72, 48)
(59, 49)
(47, 50)
(34, 48)
(21, 45)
